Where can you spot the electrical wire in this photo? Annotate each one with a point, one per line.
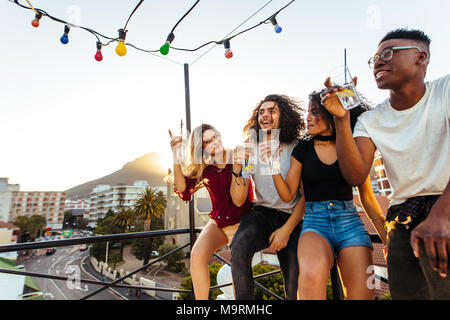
(241, 24)
(31, 6)
(181, 19)
(115, 39)
(138, 5)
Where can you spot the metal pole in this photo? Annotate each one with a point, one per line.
(188, 128)
(345, 64)
(107, 246)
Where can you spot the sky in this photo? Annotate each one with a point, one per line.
(66, 119)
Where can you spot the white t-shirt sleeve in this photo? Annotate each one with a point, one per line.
(447, 95)
(360, 130)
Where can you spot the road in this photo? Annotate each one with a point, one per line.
(70, 262)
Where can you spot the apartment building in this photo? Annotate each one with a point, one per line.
(6, 191)
(81, 207)
(106, 197)
(49, 204)
(383, 182)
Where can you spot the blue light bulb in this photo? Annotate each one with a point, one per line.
(64, 39)
(278, 29)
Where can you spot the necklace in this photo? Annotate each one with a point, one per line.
(325, 138)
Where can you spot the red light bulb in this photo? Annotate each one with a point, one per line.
(35, 23)
(98, 56)
(228, 54)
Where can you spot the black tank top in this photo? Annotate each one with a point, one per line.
(321, 182)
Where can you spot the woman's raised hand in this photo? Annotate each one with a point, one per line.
(330, 99)
(174, 140)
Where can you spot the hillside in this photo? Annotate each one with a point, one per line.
(147, 167)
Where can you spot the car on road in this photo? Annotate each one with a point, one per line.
(50, 251)
(83, 247)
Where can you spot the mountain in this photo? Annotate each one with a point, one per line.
(148, 167)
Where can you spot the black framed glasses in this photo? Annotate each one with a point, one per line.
(388, 53)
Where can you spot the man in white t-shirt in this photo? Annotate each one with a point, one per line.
(411, 130)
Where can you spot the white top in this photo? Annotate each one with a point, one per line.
(414, 143)
(265, 193)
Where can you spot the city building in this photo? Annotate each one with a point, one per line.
(13, 286)
(6, 190)
(383, 182)
(176, 215)
(78, 207)
(49, 204)
(7, 231)
(106, 197)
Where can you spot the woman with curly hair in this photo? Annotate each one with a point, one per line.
(332, 227)
(271, 222)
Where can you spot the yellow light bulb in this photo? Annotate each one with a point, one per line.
(121, 50)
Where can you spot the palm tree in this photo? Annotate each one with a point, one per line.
(149, 205)
(124, 218)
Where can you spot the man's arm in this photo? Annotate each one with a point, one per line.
(355, 155)
(280, 237)
(435, 233)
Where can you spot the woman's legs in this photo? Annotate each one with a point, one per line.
(210, 240)
(353, 265)
(315, 258)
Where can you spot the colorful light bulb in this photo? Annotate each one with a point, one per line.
(277, 28)
(65, 37)
(164, 50)
(35, 22)
(121, 50)
(98, 56)
(228, 52)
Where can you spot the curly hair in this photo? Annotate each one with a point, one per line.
(292, 124)
(319, 109)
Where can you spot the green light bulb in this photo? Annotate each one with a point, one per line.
(164, 49)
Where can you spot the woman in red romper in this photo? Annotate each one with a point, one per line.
(210, 165)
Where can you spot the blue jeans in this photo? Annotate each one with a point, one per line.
(338, 222)
(253, 236)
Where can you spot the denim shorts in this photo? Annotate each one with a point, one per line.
(338, 222)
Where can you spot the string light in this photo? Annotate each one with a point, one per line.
(164, 49)
(121, 50)
(228, 52)
(277, 28)
(98, 56)
(65, 37)
(35, 22)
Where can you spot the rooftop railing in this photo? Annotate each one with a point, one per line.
(334, 274)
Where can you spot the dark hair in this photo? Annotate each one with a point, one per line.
(318, 107)
(404, 33)
(292, 124)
